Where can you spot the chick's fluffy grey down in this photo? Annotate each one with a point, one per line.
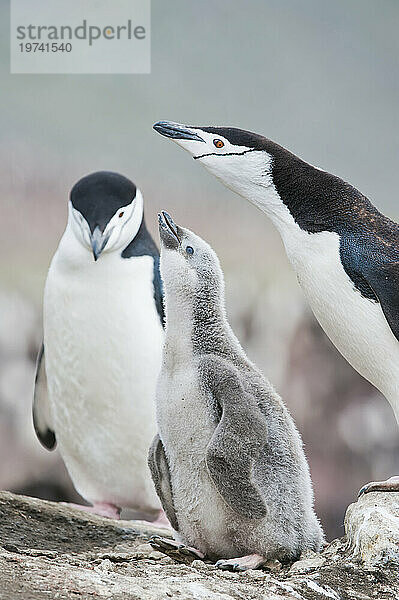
(228, 463)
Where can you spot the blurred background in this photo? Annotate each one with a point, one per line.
(318, 77)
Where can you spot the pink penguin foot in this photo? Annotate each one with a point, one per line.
(103, 509)
(390, 485)
(252, 561)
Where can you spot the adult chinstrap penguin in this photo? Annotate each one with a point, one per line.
(228, 462)
(103, 336)
(344, 251)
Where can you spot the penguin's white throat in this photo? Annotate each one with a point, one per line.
(240, 172)
(250, 176)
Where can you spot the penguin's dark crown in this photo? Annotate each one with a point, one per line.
(99, 195)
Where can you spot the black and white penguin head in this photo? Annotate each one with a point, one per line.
(239, 158)
(295, 194)
(188, 263)
(105, 212)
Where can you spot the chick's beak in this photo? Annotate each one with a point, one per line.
(168, 231)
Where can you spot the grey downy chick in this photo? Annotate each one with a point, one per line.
(228, 462)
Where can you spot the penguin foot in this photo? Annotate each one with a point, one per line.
(390, 485)
(103, 509)
(252, 561)
(175, 548)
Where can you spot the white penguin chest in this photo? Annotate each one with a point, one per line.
(103, 345)
(103, 336)
(355, 325)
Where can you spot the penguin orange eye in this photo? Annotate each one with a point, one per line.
(121, 214)
(218, 143)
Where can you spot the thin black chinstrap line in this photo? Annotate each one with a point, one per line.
(226, 154)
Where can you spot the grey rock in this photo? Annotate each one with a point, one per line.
(307, 565)
(52, 551)
(372, 529)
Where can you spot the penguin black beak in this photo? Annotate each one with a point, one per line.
(176, 131)
(98, 241)
(168, 231)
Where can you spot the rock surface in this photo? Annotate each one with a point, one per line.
(372, 529)
(52, 551)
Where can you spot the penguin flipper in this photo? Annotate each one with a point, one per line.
(159, 468)
(41, 413)
(158, 291)
(236, 443)
(144, 245)
(384, 281)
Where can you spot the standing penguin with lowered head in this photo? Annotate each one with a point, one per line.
(228, 462)
(103, 336)
(344, 251)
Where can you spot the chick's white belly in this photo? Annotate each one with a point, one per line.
(103, 357)
(186, 427)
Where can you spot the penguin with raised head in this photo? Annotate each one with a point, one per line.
(344, 251)
(228, 462)
(103, 336)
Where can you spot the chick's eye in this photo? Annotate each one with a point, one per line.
(218, 143)
(190, 250)
(121, 214)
